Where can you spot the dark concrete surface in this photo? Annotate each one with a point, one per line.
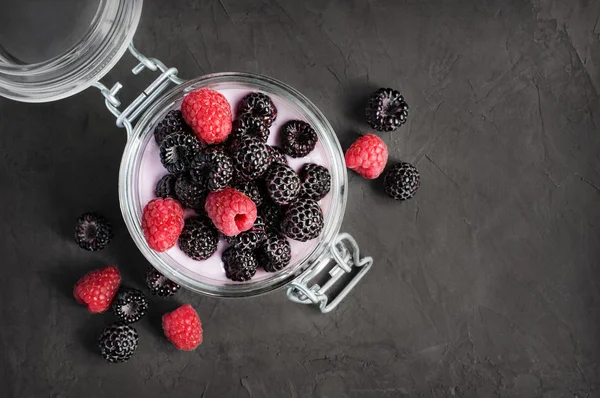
(486, 284)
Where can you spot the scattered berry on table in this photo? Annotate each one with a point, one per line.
(182, 327)
(271, 215)
(177, 152)
(173, 123)
(298, 138)
(118, 342)
(401, 181)
(250, 239)
(92, 231)
(303, 220)
(130, 305)
(162, 222)
(259, 106)
(189, 193)
(283, 184)
(249, 125)
(208, 113)
(165, 187)
(251, 190)
(277, 155)
(386, 110)
(98, 288)
(367, 156)
(275, 252)
(240, 265)
(199, 238)
(231, 211)
(212, 168)
(251, 157)
(316, 181)
(159, 285)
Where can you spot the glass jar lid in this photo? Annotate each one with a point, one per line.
(61, 47)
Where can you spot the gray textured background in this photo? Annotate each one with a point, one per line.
(484, 285)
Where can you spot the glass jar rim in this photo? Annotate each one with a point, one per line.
(92, 57)
(132, 211)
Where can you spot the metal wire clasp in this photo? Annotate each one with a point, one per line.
(126, 117)
(346, 254)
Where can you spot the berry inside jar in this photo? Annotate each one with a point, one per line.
(250, 177)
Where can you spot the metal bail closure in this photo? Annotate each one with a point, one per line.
(126, 117)
(346, 254)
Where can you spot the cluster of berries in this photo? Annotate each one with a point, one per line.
(386, 110)
(241, 189)
(100, 290)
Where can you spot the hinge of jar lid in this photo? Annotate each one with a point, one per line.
(346, 254)
(127, 116)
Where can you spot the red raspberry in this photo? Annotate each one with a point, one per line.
(209, 114)
(98, 288)
(162, 223)
(367, 156)
(183, 328)
(231, 211)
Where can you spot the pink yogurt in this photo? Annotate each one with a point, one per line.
(151, 170)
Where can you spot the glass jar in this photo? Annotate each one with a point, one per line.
(90, 58)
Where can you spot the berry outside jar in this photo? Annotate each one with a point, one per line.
(330, 252)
